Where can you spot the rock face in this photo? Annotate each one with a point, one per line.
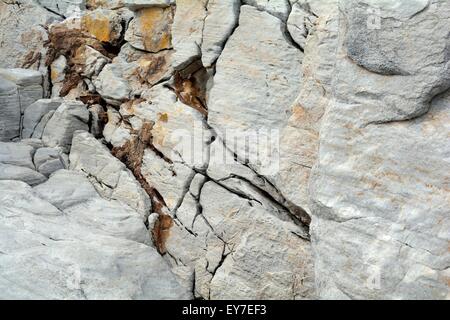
(93, 248)
(19, 88)
(282, 149)
(380, 188)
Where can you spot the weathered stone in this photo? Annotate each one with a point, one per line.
(68, 118)
(105, 4)
(23, 35)
(132, 72)
(115, 131)
(48, 160)
(29, 85)
(27, 175)
(187, 31)
(83, 261)
(256, 108)
(221, 20)
(9, 110)
(140, 4)
(277, 8)
(18, 154)
(150, 30)
(64, 7)
(299, 23)
(110, 177)
(225, 245)
(379, 188)
(34, 114)
(103, 24)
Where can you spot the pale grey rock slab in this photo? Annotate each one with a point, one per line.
(110, 218)
(39, 130)
(29, 84)
(260, 84)
(18, 154)
(179, 131)
(66, 188)
(111, 86)
(132, 72)
(25, 174)
(94, 62)
(32, 142)
(115, 131)
(379, 188)
(298, 24)
(232, 245)
(251, 103)
(68, 118)
(22, 77)
(401, 9)
(277, 8)
(58, 74)
(50, 255)
(170, 179)
(411, 76)
(10, 110)
(28, 89)
(221, 19)
(65, 8)
(187, 32)
(35, 112)
(23, 35)
(110, 176)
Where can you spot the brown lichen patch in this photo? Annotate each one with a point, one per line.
(129, 105)
(153, 67)
(155, 26)
(190, 87)
(161, 232)
(100, 28)
(131, 154)
(30, 59)
(70, 42)
(163, 117)
(92, 99)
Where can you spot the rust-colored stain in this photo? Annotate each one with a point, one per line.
(71, 43)
(153, 67)
(98, 26)
(161, 231)
(131, 154)
(155, 26)
(191, 92)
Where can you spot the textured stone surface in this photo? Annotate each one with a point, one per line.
(23, 36)
(68, 118)
(130, 73)
(34, 114)
(255, 149)
(221, 19)
(64, 7)
(103, 24)
(10, 110)
(110, 177)
(380, 187)
(150, 30)
(84, 261)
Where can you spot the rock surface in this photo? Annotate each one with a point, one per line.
(273, 149)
